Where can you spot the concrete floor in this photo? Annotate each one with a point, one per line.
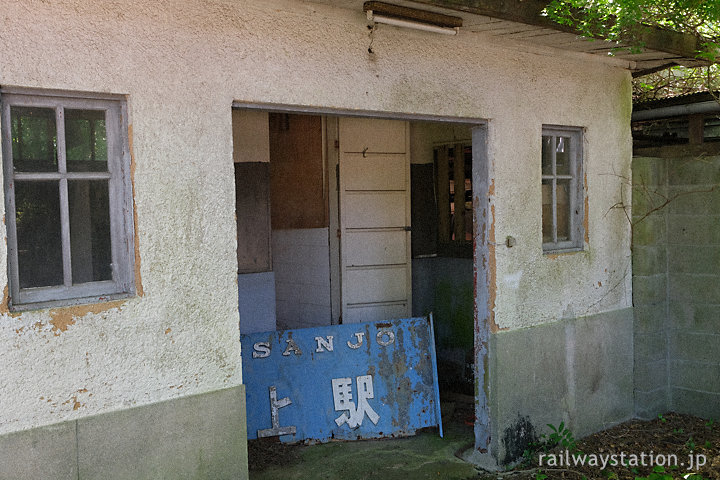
(423, 456)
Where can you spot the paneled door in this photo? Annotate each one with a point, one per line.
(375, 262)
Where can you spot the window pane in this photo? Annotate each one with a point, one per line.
(85, 140)
(563, 210)
(89, 230)
(547, 155)
(547, 221)
(37, 207)
(34, 139)
(562, 156)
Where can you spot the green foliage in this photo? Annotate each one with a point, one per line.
(658, 473)
(676, 81)
(626, 20)
(629, 21)
(610, 475)
(560, 436)
(690, 444)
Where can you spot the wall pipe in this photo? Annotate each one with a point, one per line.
(676, 111)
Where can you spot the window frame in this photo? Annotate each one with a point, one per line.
(576, 177)
(122, 238)
(446, 229)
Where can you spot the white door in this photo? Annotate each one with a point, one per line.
(374, 176)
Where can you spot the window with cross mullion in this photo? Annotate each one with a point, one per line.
(562, 189)
(68, 197)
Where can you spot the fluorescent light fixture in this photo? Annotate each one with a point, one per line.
(399, 22)
(380, 12)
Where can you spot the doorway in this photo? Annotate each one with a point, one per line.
(366, 219)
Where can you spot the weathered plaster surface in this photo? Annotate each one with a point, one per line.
(534, 288)
(182, 63)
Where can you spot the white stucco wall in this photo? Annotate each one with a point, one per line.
(182, 63)
(535, 288)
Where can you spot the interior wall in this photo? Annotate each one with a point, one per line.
(424, 136)
(441, 284)
(298, 190)
(256, 280)
(301, 251)
(252, 210)
(302, 277)
(250, 136)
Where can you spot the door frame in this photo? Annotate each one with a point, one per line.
(483, 229)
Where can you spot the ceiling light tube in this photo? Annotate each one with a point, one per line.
(399, 22)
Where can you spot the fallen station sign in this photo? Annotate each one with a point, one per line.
(362, 380)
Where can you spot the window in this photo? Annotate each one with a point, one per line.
(562, 189)
(67, 197)
(453, 164)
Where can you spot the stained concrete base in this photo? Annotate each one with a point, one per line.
(46, 452)
(577, 371)
(194, 437)
(485, 461)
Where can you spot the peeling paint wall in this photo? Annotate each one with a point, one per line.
(182, 64)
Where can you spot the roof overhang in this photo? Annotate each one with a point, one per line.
(521, 21)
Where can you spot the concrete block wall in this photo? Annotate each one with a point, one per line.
(693, 253)
(676, 285)
(650, 281)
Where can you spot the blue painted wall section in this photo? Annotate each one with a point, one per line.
(363, 380)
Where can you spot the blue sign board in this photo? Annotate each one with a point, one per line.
(361, 380)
